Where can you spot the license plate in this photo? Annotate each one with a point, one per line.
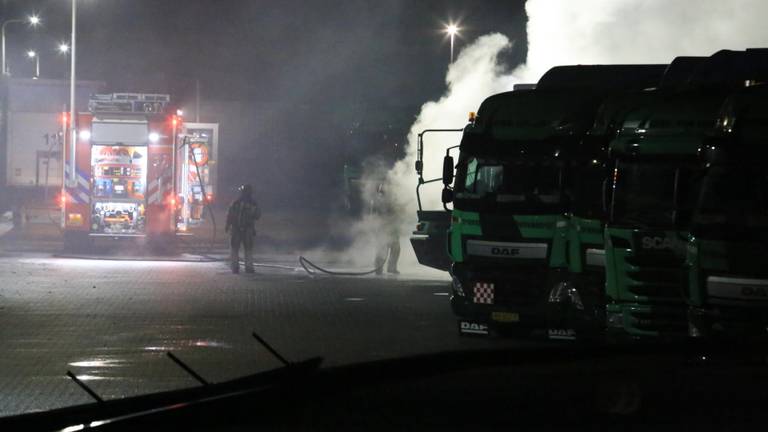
(505, 317)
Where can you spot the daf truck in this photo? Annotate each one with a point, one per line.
(508, 240)
(728, 242)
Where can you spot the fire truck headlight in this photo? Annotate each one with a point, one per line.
(154, 137)
(85, 134)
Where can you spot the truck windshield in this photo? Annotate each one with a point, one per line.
(586, 186)
(519, 183)
(652, 194)
(732, 199)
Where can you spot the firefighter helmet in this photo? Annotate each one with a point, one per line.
(245, 190)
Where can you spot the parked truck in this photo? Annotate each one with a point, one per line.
(728, 242)
(652, 193)
(519, 162)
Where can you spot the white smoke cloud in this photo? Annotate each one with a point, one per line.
(474, 76)
(562, 32)
(638, 31)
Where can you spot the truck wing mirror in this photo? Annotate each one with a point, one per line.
(447, 170)
(447, 196)
(419, 167)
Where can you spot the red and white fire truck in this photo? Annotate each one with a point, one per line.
(123, 173)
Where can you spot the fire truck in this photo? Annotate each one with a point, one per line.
(124, 170)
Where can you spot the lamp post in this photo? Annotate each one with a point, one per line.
(34, 55)
(452, 30)
(33, 20)
(72, 110)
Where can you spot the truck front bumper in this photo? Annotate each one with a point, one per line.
(638, 321)
(731, 322)
(501, 297)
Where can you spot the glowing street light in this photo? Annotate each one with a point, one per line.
(33, 55)
(32, 20)
(63, 48)
(452, 30)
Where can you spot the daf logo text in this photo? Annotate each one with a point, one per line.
(504, 251)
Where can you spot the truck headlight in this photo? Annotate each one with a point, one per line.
(694, 331)
(615, 319)
(458, 288)
(564, 292)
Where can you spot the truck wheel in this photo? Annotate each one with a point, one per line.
(77, 242)
(163, 245)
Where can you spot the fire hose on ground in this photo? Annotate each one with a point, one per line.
(309, 266)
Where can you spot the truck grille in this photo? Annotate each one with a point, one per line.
(527, 286)
(660, 275)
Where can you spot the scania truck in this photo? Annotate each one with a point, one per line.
(513, 191)
(728, 244)
(652, 192)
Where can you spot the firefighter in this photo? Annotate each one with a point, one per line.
(388, 237)
(242, 215)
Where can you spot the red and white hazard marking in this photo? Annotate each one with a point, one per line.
(483, 293)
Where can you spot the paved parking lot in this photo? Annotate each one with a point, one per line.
(112, 322)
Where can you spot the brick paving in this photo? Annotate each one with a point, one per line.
(111, 323)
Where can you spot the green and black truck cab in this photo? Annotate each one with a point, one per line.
(586, 252)
(577, 305)
(513, 192)
(728, 245)
(653, 189)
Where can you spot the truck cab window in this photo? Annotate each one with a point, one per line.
(652, 195)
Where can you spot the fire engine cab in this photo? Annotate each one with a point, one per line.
(123, 171)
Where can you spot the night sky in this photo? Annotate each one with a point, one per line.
(330, 58)
(359, 50)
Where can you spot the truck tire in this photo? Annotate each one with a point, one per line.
(165, 244)
(77, 242)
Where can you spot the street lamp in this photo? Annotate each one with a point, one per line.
(72, 111)
(452, 30)
(32, 20)
(32, 54)
(63, 48)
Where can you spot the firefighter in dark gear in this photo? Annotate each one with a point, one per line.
(242, 215)
(388, 237)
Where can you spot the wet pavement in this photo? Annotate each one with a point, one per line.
(111, 323)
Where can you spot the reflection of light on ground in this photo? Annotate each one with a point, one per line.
(203, 343)
(104, 264)
(98, 363)
(157, 348)
(211, 344)
(87, 377)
